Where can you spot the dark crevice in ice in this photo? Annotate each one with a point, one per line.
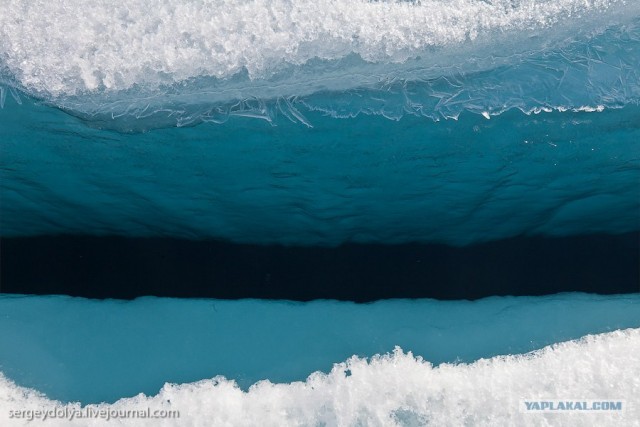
(116, 267)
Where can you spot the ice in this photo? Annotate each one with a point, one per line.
(169, 63)
(363, 179)
(66, 47)
(397, 389)
(74, 349)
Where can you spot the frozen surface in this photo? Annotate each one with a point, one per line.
(395, 389)
(150, 43)
(168, 63)
(74, 349)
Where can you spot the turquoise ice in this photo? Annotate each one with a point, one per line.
(75, 349)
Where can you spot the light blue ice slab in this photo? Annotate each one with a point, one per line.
(90, 351)
(396, 389)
